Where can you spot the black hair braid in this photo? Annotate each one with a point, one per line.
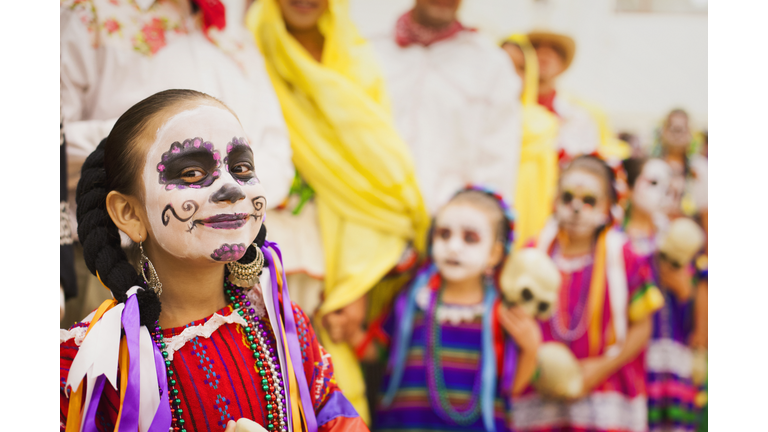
(250, 252)
(101, 239)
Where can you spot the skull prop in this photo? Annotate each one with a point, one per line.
(559, 372)
(681, 242)
(245, 425)
(531, 279)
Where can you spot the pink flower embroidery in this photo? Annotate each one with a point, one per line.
(154, 35)
(114, 2)
(111, 25)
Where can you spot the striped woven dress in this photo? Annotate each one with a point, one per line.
(460, 349)
(669, 363)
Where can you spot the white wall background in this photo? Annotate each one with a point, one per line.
(636, 66)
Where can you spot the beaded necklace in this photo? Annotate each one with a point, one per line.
(573, 331)
(267, 365)
(438, 394)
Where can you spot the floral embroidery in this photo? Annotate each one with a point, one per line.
(146, 32)
(111, 25)
(151, 38)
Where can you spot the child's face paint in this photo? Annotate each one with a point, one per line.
(462, 242)
(651, 192)
(582, 206)
(202, 196)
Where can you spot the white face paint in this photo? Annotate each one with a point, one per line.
(582, 205)
(462, 242)
(202, 196)
(651, 193)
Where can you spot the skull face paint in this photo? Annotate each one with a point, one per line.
(582, 206)
(462, 242)
(202, 196)
(651, 192)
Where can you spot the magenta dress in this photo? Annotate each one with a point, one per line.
(619, 404)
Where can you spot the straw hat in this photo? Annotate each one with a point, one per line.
(564, 44)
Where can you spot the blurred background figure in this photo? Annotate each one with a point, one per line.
(634, 143)
(583, 127)
(67, 279)
(346, 149)
(680, 148)
(537, 174)
(606, 302)
(455, 99)
(116, 53)
(669, 357)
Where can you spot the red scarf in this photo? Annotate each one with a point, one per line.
(214, 14)
(408, 31)
(548, 101)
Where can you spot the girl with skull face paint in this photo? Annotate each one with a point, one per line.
(176, 176)
(604, 312)
(671, 391)
(447, 331)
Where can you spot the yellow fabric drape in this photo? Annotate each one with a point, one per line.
(345, 146)
(537, 173)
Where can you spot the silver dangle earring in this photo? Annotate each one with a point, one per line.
(246, 275)
(146, 266)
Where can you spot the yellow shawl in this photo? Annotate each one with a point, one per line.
(345, 146)
(537, 174)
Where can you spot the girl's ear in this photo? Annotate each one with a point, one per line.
(497, 253)
(125, 212)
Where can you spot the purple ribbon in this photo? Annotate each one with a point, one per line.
(510, 366)
(292, 338)
(129, 419)
(89, 423)
(162, 420)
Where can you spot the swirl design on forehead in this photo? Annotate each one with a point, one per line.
(191, 152)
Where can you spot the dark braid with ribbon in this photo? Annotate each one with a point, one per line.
(101, 239)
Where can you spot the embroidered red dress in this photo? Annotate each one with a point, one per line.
(218, 381)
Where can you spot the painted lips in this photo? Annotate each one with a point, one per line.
(226, 221)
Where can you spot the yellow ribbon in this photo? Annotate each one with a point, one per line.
(75, 411)
(123, 366)
(597, 296)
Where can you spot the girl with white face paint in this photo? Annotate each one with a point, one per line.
(603, 314)
(450, 311)
(176, 174)
(669, 356)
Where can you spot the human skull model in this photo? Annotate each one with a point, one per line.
(531, 279)
(559, 372)
(246, 425)
(682, 240)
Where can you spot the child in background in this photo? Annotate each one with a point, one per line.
(671, 392)
(603, 315)
(448, 327)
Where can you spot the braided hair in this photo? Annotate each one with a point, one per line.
(115, 165)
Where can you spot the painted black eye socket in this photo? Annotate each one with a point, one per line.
(676, 265)
(193, 174)
(543, 307)
(192, 163)
(240, 162)
(589, 200)
(527, 294)
(566, 198)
